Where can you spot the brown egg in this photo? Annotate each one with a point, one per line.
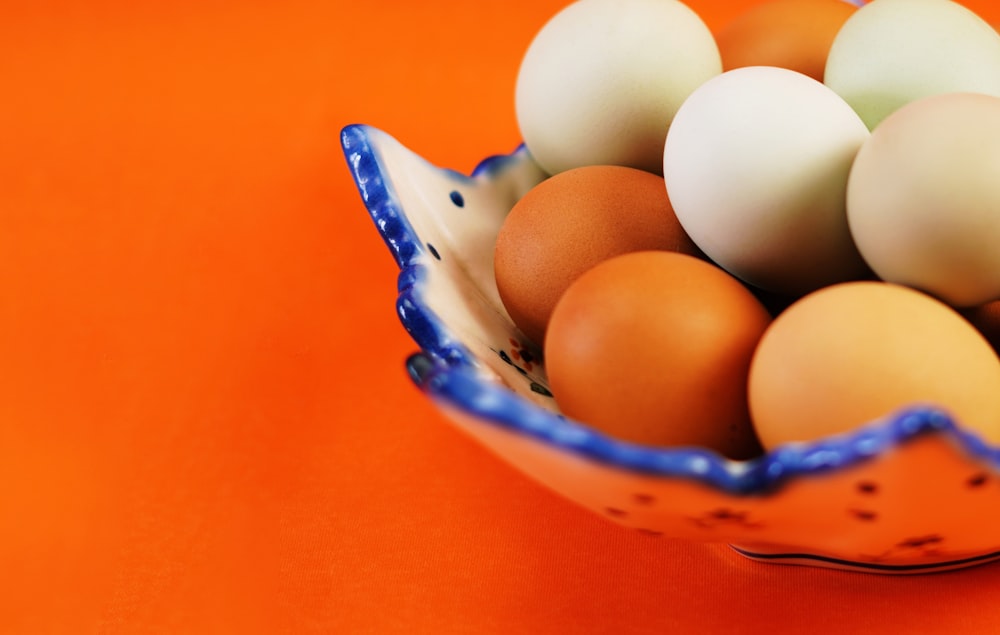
(572, 221)
(654, 348)
(793, 34)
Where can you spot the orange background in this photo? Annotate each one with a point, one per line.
(205, 425)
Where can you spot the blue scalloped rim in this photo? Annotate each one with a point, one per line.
(448, 372)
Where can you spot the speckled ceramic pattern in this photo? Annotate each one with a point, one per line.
(910, 493)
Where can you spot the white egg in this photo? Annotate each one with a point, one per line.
(891, 52)
(923, 197)
(756, 165)
(601, 81)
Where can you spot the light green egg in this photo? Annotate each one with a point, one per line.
(891, 52)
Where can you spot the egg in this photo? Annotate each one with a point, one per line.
(570, 222)
(855, 352)
(654, 348)
(602, 79)
(793, 34)
(756, 164)
(891, 52)
(923, 197)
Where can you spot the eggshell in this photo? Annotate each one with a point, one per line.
(602, 79)
(793, 34)
(654, 348)
(756, 164)
(891, 52)
(923, 198)
(570, 222)
(855, 352)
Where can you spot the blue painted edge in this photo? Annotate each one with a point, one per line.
(447, 372)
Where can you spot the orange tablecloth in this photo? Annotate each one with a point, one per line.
(205, 425)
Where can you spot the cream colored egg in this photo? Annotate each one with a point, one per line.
(601, 81)
(891, 52)
(923, 197)
(756, 164)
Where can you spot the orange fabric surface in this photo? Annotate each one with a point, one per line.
(205, 425)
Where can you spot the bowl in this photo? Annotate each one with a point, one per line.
(912, 492)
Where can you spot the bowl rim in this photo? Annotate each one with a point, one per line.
(448, 373)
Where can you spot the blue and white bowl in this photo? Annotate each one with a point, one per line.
(910, 493)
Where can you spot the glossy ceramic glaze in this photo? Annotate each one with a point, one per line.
(911, 493)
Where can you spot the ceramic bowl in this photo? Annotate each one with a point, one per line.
(910, 493)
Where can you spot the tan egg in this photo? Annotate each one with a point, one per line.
(852, 353)
(569, 223)
(654, 348)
